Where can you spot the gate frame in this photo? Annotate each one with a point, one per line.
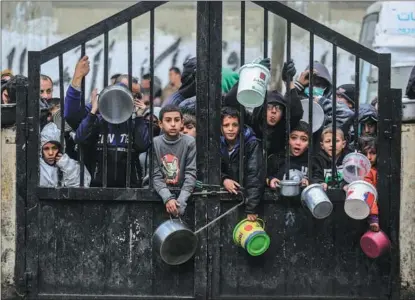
(209, 43)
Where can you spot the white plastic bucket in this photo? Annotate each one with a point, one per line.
(359, 198)
(253, 82)
(317, 201)
(355, 167)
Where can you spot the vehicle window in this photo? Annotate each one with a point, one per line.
(367, 33)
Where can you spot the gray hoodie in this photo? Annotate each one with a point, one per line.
(175, 166)
(70, 168)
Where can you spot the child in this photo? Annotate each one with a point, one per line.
(298, 157)
(230, 153)
(322, 166)
(189, 126)
(368, 147)
(174, 161)
(368, 119)
(52, 160)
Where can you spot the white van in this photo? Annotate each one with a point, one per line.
(388, 27)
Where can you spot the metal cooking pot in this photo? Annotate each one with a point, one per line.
(290, 188)
(8, 114)
(318, 114)
(408, 110)
(116, 104)
(175, 242)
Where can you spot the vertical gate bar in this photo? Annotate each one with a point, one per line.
(310, 109)
(334, 110)
(265, 105)
(151, 163)
(203, 288)
(105, 124)
(288, 108)
(395, 192)
(61, 96)
(62, 125)
(21, 184)
(241, 107)
(81, 148)
(130, 87)
(33, 139)
(356, 100)
(384, 151)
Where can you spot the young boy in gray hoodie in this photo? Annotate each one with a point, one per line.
(174, 161)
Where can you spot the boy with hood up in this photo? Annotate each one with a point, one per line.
(322, 92)
(51, 160)
(230, 152)
(368, 119)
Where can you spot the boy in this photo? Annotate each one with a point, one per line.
(368, 119)
(189, 126)
(174, 161)
(322, 171)
(368, 147)
(298, 144)
(230, 145)
(52, 160)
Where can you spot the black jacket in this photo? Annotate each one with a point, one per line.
(277, 163)
(254, 176)
(322, 171)
(276, 135)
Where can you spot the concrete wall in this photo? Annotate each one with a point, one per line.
(407, 223)
(8, 210)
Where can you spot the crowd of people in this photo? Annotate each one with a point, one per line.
(173, 127)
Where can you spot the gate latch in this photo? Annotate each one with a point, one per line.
(28, 126)
(391, 128)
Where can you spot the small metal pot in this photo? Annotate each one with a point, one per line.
(290, 188)
(315, 198)
(175, 242)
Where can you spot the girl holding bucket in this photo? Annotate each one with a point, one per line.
(368, 147)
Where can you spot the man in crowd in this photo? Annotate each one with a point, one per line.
(174, 83)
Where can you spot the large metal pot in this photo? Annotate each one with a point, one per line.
(175, 242)
(116, 104)
(408, 110)
(8, 115)
(290, 188)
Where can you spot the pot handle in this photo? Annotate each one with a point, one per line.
(178, 217)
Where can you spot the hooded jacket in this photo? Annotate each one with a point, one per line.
(323, 73)
(276, 135)
(253, 170)
(344, 115)
(70, 168)
(91, 132)
(366, 112)
(322, 171)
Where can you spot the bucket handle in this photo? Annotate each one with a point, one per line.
(257, 60)
(262, 222)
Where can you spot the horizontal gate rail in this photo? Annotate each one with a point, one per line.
(98, 29)
(321, 30)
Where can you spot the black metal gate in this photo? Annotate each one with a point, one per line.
(95, 243)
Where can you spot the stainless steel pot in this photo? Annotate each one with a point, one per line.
(116, 104)
(317, 201)
(408, 110)
(290, 188)
(175, 242)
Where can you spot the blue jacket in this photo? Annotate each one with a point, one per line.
(89, 131)
(254, 177)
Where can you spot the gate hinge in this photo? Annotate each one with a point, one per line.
(28, 126)
(28, 276)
